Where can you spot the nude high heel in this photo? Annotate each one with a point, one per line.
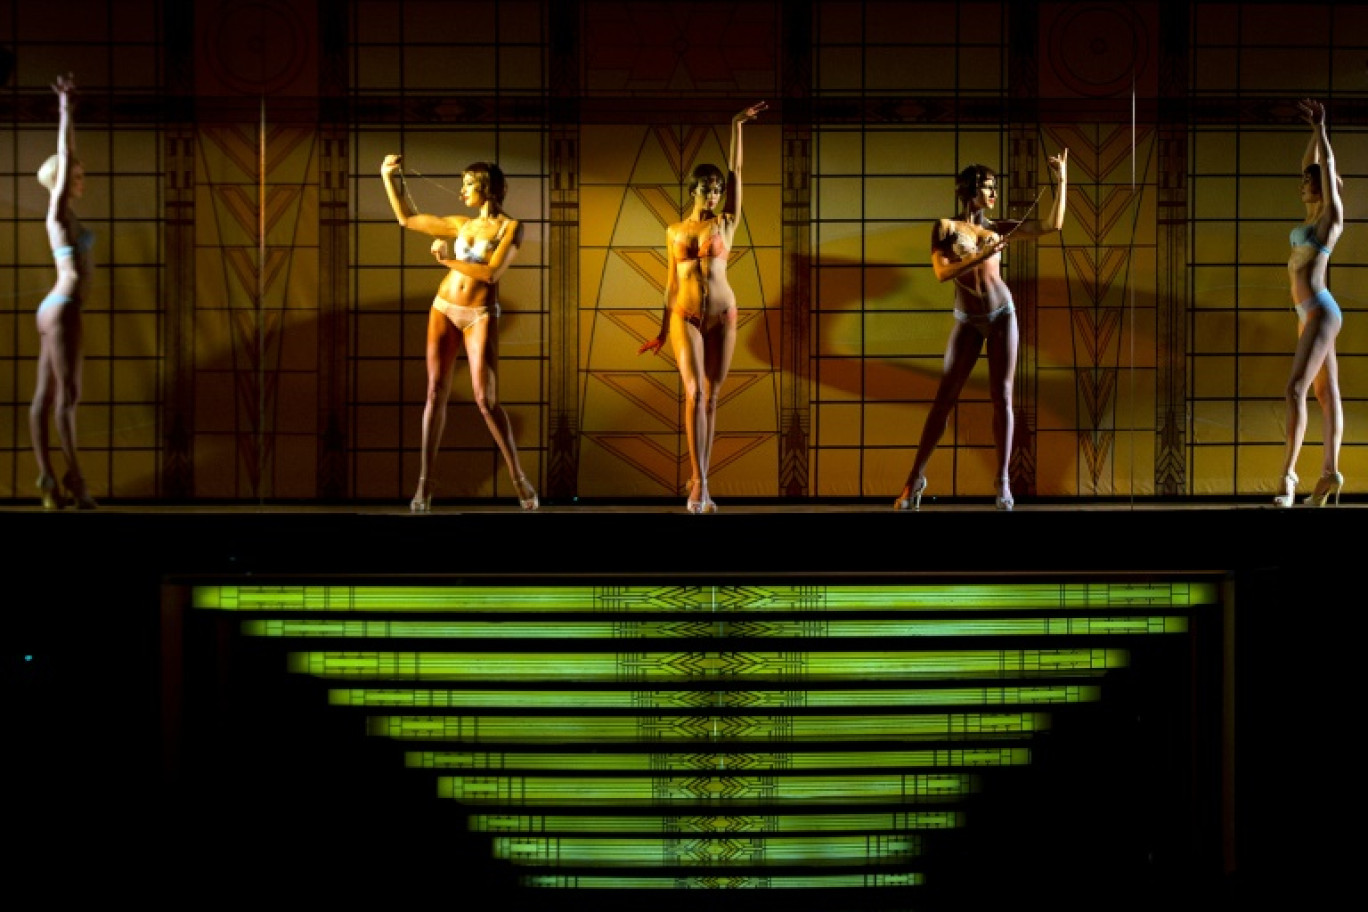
(51, 495)
(911, 496)
(1003, 497)
(76, 487)
(1289, 495)
(527, 495)
(1328, 484)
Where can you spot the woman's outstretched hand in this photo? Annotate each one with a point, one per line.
(1313, 112)
(751, 113)
(651, 345)
(391, 164)
(65, 86)
(1059, 164)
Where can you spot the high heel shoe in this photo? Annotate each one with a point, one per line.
(50, 494)
(1002, 498)
(1289, 495)
(696, 505)
(911, 496)
(1329, 483)
(422, 498)
(76, 487)
(527, 495)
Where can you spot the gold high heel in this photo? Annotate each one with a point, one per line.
(527, 495)
(422, 499)
(1002, 498)
(76, 487)
(1333, 482)
(1289, 495)
(50, 494)
(911, 496)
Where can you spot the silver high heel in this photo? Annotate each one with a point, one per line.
(691, 505)
(1002, 499)
(1289, 495)
(422, 500)
(911, 496)
(527, 495)
(1329, 483)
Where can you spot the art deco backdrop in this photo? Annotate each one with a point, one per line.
(256, 330)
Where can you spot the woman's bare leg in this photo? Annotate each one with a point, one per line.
(443, 342)
(40, 411)
(1315, 342)
(1332, 412)
(1003, 342)
(482, 351)
(57, 395)
(690, 357)
(718, 347)
(961, 354)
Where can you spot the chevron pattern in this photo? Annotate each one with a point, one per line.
(730, 738)
(1109, 166)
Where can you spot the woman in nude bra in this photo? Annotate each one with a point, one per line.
(700, 306)
(59, 316)
(1314, 364)
(465, 313)
(966, 250)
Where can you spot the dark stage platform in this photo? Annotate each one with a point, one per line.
(88, 641)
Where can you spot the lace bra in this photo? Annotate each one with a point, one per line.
(689, 248)
(479, 250)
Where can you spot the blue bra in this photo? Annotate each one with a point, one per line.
(84, 243)
(1305, 236)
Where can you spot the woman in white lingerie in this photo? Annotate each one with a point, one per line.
(58, 389)
(465, 313)
(966, 250)
(1314, 365)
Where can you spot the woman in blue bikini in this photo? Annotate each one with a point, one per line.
(1314, 365)
(465, 313)
(966, 250)
(59, 316)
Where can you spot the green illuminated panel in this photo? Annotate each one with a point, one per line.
(514, 791)
(628, 666)
(1137, 625)
(897, 821)
(696, 759)
(554, 852)
(870, 879)
(655, 599)
(525, 729)
(647, 700)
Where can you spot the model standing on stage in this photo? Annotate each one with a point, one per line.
(59, 316)
(700, 306)
(967, 250)
(1319, 318)
(465, 313)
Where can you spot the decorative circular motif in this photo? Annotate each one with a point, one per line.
(255, 47)
(1098, 49)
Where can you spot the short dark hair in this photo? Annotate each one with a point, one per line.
(968, 181)
(490, 179)
(706, 173)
